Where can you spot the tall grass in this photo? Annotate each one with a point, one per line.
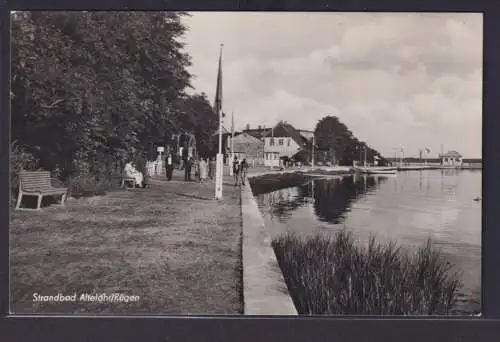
(334, 275)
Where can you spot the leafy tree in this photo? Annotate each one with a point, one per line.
(200, 118)
(90, 89)
(338, 142)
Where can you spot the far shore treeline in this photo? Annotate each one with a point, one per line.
(92, 89)
(335, 142)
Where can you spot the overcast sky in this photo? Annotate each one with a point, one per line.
(394, 79)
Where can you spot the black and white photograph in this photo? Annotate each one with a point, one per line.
(246, 163)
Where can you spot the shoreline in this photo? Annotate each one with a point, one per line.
(348, 170)
(280, 178)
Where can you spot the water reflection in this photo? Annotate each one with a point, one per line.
(330, 198)
(407, 208)
(333, 198)
(282, 202)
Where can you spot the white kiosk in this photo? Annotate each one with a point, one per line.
(159, 161)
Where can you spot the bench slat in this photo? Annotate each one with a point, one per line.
(44, 191)
(38, 182)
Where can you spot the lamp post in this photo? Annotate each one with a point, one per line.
(364, 164)
(312, 157)
(401, 157)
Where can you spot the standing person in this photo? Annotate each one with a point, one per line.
(243, 170)
(170, 165)
(203, 170)
(236, 170)
(196, 164)
(212, 167)
(184, 158)
(188, 163)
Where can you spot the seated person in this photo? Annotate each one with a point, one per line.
(131, 172)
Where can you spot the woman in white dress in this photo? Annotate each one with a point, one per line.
(203, 170)
(131, 172)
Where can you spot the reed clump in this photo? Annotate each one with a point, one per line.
(334, 275)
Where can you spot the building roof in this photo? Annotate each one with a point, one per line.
(246, 138)
(258, 133)
(306, 133)
(452, 154)
(284, 129)
(224, 131)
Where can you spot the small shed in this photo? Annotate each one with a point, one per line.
(451, 158)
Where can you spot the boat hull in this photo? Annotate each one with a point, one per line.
(376, 171)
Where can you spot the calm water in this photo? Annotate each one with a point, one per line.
(407, 208)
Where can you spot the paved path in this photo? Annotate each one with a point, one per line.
(173, 245)
(265, 290)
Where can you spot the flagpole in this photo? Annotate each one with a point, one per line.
(219, 169)
(312, 157)
(441, 155)
(232, 143)
(401, 157)
(365, 158)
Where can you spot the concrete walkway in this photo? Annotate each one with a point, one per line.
(264, 288)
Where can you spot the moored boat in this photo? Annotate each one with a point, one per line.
(376, 171)
(380, 172)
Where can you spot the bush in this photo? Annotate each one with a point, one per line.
(335, 276)
(20, 160)
(86, 186)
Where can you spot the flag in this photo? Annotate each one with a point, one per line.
(218, 91)
(427, 151)
(218, 110)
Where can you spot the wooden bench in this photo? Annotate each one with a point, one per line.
(38, 183)
(126, 179)
(146, 182)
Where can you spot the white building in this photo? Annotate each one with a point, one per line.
(282, 143)
(451, 159)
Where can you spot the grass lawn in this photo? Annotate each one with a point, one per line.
(173, 245)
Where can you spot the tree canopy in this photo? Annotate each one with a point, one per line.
(338, 143)
(89, 89)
